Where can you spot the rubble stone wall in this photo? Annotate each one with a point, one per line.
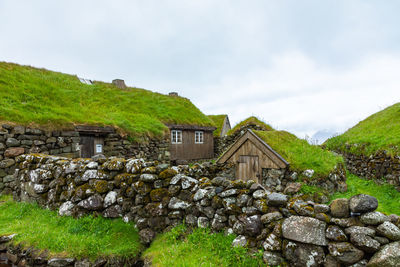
(293, 229)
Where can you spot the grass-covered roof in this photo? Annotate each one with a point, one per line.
(219, 122)
(251, 121)
(299, 153)
(380, 131)
(55, 100)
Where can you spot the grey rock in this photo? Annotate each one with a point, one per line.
(66, 209)
(188, 182)
(203, 222)
(145, 177)
(345, 253)
(146, 235)
(374, 218)
(309, 173)
(382, 240)
(359, 230)
(229, 193)
(94, 202)
(363, 203)
(8, 178)
(305, 229)
(272, 258)
(242, 200)
(321, 208)
(252, 225)
(110, 199)
(191, 220)
(258, 194)
(277, 199)
(271, 217)
(239, 241)
(6, 238)
(272, 243)
(388, 256)
(6, 163)
(335, 233)
(11, 142)
(365, 243)
(177, 204)
(300, 255)
(61, 262)
(200, 194)
(340, 208)
(389, 230)
(113, 212)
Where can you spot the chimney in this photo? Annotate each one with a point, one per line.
(119, 83)
(173, 94)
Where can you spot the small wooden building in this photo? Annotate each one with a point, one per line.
(251, 155)
(92, 139)
(191, 142)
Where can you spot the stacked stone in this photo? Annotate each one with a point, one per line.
(17, 140)
(380, 167)
(295, 230)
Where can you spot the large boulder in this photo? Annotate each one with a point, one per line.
(305, 229)
(363, 203)
(277, 199)
(300, 255)
(388, 256)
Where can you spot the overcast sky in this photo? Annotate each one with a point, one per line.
(300, 65)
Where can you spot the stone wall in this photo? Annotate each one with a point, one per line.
(296, 229)
(380, 167)
(18, 140)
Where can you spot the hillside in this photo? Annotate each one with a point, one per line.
(299, 153)
(250, 121)
(380, 131)
(55, 100)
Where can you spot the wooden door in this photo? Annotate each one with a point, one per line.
(87, 146)
(248, 168)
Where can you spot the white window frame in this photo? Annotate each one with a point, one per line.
(199, 137)
(176, 136)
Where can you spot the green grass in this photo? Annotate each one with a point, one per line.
(179, 247)
(250, 121)
(381, 131)
(300, 154)
(219, 123)
(88, 236)
(56, 100)
(388, 197)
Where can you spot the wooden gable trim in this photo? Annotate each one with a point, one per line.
(259, 143)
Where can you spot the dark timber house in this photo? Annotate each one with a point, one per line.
(191, 142)
(251, 155)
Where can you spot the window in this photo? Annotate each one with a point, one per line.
(199, 138)
(176, 137)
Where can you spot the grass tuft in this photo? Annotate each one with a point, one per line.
(89, 236)
(180, 247)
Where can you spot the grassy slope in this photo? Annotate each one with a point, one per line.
(200, 248)
(218, 121)
(52, 99)
(299, 153)
(85, 237)
(381, 131)
(388, 197)
(248, 121)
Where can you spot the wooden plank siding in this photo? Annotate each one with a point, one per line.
(189, 150)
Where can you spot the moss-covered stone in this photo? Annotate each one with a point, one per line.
(101, 186)
(167, 173)
(141, 188)
(124, 178)
(81, 190)
(157, 195)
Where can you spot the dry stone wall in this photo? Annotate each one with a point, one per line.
(18, 140)
(290, 229)
(380, 167)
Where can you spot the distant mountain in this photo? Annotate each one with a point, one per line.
(321, 136)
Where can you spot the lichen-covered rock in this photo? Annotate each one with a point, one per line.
(272, 258)
(94, 202)
(116, 164)
(146, 177)
(239, 241)
(305, 229)
(110, 199)
(292, 188)
(60, 262)
(272, 243)
(113, 212)
(365, 243)
(271, 217)
(259, 194)
(158, 194)
(340, 208)
(374, 218)
(66, 209)
(200, 194)
(203, 222)
(345, 252)
(177, 204)
(277, 199)
(252, 225)
(363, 203)
(146, 235)
(229, 192)
(388, 256)
(360, 230)
(300, 255)
(335, 233)
(389, 230)
(14, 152)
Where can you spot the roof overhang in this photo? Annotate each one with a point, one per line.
(87, 129)
(190, 127)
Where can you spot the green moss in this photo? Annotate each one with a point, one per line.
(379, 131)
(138, 112)
(81, 190)
(300, 154)
(250, 121)
(167, 173)
(101, 186)
(158, 194)
(124, 178)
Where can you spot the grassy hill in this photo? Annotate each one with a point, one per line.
(251, 121)
(299, 153)
(380, 131)
(55, 100)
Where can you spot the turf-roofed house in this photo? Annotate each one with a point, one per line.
(60, 114)
(222, 123)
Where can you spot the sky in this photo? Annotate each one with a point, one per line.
(300, 65)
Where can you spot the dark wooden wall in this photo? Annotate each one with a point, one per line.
(189, 150)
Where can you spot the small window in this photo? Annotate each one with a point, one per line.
(176, 137)
(99, 148)
(199, 138)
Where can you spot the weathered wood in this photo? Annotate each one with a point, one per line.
(189, 150)
(87, 146)
(248, 168)
(88, 129)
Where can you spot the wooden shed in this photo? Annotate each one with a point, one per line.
(191, 142)
(92, 139)
(251, 155)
